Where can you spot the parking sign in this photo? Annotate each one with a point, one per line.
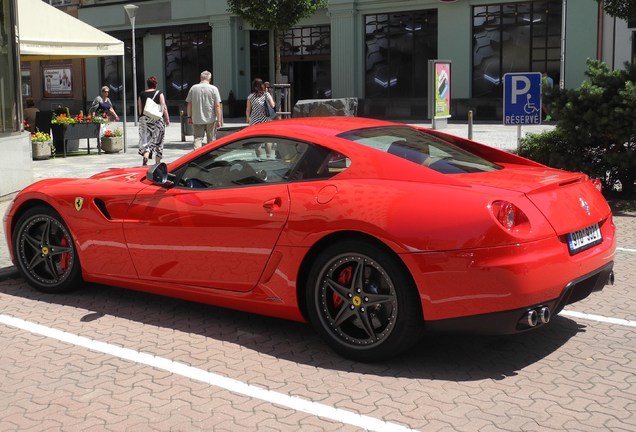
(522, 98)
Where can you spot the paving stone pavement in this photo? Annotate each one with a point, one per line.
(84, 361)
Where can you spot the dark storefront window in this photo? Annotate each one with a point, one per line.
(259, 55)
(306, 61)
(187, 55)
(111, 73)
(9, 91)
(514, 37)
(398, 47)
(306, 41)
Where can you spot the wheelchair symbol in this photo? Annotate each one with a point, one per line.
(529, 107)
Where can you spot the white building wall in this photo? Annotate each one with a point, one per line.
(16, 169)
(617, 42)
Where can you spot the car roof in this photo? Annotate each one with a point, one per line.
(325, 126)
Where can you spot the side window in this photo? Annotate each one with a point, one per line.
(319, 163)
(246, 162)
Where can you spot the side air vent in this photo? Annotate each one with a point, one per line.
(101, 205)
(569, 182)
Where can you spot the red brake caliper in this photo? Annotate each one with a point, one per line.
(343, 279)
(65, 258)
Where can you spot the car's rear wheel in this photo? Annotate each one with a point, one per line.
(363, 302)
(45, 252)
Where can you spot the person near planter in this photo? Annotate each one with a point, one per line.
(29, 114)
(103, 105)
(152, 132)
(204, 109)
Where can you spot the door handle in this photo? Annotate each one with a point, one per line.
(271, 204)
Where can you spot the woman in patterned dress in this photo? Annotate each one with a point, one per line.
(152, 132)
(255, 111)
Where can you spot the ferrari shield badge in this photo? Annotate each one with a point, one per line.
(79, 202)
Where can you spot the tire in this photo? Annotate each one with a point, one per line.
(45, 252)
(363, 302)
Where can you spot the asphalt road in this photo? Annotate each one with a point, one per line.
(109, 359)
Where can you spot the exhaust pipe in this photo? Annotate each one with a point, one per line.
(544, 315)
(610, 279)
(533, 318)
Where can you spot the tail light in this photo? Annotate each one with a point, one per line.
(507, 214)
(597, 184)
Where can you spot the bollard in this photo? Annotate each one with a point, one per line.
(470, 124)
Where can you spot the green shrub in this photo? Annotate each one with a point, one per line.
(596, 129)
(552, 148)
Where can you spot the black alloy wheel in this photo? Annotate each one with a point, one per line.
(45, 252)
(363, 302)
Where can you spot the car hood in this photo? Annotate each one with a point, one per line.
(568, 200)
(127, 175)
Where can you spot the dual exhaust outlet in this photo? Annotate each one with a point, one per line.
(540, 315)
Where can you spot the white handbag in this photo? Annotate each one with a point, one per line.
(152, 109)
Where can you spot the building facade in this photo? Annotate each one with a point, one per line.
(375, 50)
(15, 147)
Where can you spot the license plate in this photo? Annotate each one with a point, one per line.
(585, 238)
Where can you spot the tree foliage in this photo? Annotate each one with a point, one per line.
(596, 129)
(624, 9)
(275, 15)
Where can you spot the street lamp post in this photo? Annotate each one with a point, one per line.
(131, 10)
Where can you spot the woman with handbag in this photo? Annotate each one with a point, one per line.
(153, 119)
(257, 111)
(260, 109)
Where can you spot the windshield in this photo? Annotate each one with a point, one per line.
(420, 148)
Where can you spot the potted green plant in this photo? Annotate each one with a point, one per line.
(42, 146)
(71, 129)
(112, 141)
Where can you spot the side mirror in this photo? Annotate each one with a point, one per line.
(158, 174)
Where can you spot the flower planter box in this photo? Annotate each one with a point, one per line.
(66, 136)
(112, 144)
(41, 150)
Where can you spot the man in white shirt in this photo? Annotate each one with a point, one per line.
(204, 109)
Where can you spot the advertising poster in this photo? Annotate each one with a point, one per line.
(442, 89)
(57, 81)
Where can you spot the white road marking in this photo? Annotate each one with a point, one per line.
(598, 318)
(626, 250)
(229, 384)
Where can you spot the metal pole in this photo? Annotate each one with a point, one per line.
(134, 65)
(470, 124)
(564, 9)
(123, 75)
(131, 10)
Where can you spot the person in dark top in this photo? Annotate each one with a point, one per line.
(102, 105)
(152, 132)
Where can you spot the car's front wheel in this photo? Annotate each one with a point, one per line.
(45, 252)
(363, 302)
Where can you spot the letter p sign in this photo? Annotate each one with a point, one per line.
(520, 86)
(522, 98)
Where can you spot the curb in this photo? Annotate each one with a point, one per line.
(8, 273)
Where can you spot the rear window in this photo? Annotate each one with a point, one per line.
(420, 148)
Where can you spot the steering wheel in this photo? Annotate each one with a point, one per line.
(194, 183)
(219, 163)
(241, 172)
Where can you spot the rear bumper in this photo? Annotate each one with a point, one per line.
(514, 321)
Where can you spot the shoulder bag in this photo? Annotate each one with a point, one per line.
(152, 109)
(269, 111)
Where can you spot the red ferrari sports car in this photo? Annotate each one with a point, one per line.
(372, 231)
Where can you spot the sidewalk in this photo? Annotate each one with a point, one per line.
(496, 135)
